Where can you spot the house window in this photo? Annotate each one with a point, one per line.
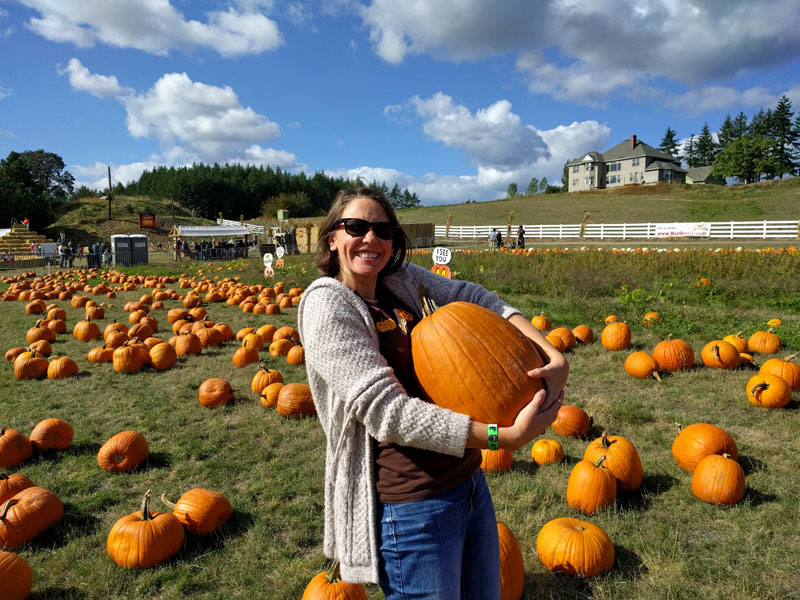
(574, 182)
(668, 176)
(585, 181)
(612, 179)
(575, 168)
(591, 180)
(635, 162)
(590, 166)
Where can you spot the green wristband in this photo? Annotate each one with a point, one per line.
(492, 435)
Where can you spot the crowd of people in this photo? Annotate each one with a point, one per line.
(496, 238)
(213, 249)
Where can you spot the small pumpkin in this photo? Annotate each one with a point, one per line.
(584, 334)
(720, 355)
(496, 461)
(15, 448)
(296, 355)
(201, 511)
(86, 330)
(566, 335)
(328, 585)
(248, 353)
(30, 365)
(547, 452)
(674, 354)
(123, 452)
(574, 547)
(128, 358)
(294, 400)
(572, 421)
(16, 575)
(785, 368)
(101, 354)
(556, 341)
(186, 343)
(163, 356)
(144, 538)
(718, 479)
(642, 366)
(697, 441)
(214, 392)
(52, 434)
(764, 342)
(769, 391)
(541, 322)
(650, 318)
(616, 336)
(264, 377)
(280, 347)
(591, 486)
(737, 341)
(61, 368)
(269, 395)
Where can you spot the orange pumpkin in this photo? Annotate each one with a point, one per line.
(294, 400)
(591, 486)
(769, 391)
(214, 392)
(541, 322)
(720, 355)
(263, 378)
(584, 334)
(546, 452)
(571, 421)
(642, 366)
(575, 547)
(15, 448)
(622, 459)
(785, 368)
(512, 564)
(718, 479)
(201, 511)
(52, 434)
(496, 461)
(328, 585)
(16, 575)
(11, 485)
(674, 355)
(764, 342)
(697, 441)
(27, 514)
(123, 452)
(616, 336)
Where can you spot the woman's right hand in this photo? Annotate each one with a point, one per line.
(531, 422)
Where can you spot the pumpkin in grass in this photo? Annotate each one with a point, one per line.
(547, 452)
(296, 355)
(575, 547)
(30, 365)
(769, 391)
(616, 336)
(610, 319)
(650, 318)
(247, 354)
(512, 564)
(240, 335)
(584, 334)
(737, 341)
(496, 461)
(774, 323)
(16, 575)
(566, 335)
(718, 479)
(294, 400)
(144, 538)
(61, 368)
(11, 485)
(114, 327)
(86, 330)
(163, 356)
(140, 332)
(591, 486)
(622, 459)
(642, 366)
(571, 421)
(27, 514)
(269, 395)
(720, 355)
(123, 452)
(13, 353)
(15, 447)
(40, 332)
(490, 355)
(209, 336)
(287, 333)
(214, 392)
(267, 332)
(556, 341)
(697, 441)
(764, 342)
(201, 511)
(186, 343)
(128, 358)
(43, 347)
(785, 368)
(101, 354)
(328, 585)
(541, 322)
(57, 325)
(264, 377)
(280, 347)
(674, 354)
(52, 434)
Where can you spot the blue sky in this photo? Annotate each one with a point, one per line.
(454, 99)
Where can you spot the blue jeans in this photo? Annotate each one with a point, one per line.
(442, 548)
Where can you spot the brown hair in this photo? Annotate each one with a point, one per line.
(327, 260)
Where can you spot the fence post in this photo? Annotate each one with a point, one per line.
(624, 231)
(765, 229)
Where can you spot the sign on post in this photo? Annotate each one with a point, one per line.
(441, 257)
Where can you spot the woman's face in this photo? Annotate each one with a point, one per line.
(361, 258)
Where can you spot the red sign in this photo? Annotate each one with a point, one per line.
(147, 220)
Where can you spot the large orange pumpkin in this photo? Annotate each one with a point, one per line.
(52, 434)
(591, 486)
(718, 480)
(27, 514)
(764, 342)
(123, 452)
(720, 355)
(785, 368)
(575, 547)
(697, 441)
(201, 511)
(674, 355)
(214, 392)
(622, 460)
(572, 421)
(15, 447)
(16, 575)
(616, 336)
(496, 461)
(294, 400)
(769, 391)
(484, 372)
(512, 564)
(11, 485)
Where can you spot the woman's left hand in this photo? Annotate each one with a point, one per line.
(555, 377)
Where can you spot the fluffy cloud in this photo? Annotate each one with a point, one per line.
(718, 97)
(585, 51)
(101, 86)
(152, 26)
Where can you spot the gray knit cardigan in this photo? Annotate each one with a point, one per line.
(358, 397)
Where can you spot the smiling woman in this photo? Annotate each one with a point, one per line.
(397, 466)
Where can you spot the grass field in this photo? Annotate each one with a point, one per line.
(668, 544)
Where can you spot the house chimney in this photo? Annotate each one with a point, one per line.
(633, 141)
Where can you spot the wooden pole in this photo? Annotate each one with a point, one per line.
(109, 193)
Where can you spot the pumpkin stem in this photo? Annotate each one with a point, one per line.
(146, 516)
(333, 574)
(758, 388)
(791, 357)
(167, 503)
(5, 508)
(716, 353)
(599, 462)
(428, 305)
(604, 441)
(656, 375)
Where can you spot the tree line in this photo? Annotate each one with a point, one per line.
(763, 147)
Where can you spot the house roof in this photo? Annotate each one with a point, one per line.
(221, 231)
(623, 151)
(664, 165)
(699, 173)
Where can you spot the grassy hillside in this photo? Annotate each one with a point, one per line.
(772, 200)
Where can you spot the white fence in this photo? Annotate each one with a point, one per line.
(626, 231)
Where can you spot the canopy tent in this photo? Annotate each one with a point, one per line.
(209, 231)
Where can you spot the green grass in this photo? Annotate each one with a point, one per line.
(667, 543)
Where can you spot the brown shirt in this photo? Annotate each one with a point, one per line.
(403, 473)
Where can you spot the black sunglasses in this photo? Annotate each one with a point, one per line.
(359, 227)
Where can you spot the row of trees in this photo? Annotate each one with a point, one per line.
(249, 190)
(534, 187)
(766, 146)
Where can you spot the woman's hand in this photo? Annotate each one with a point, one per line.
(532, 421)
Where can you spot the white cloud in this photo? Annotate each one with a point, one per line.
(5, 92)
(718, 97)
(101, 86)
(153, 26)
(585, 52)
(794, 95)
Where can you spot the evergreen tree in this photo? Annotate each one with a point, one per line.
(761, 124)
(740, 126)
(512, 190)
(690, 152)
(706, 147)
(784, 136)
(669, 143)
(543, 185)
(565, 177)
(796, 154)
(533, 187)
(726, 133)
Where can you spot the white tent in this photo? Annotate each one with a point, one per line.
(209, 231)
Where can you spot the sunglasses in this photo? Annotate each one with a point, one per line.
(359, 227)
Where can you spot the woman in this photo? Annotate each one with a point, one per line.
(521, 237)
(406, 504)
